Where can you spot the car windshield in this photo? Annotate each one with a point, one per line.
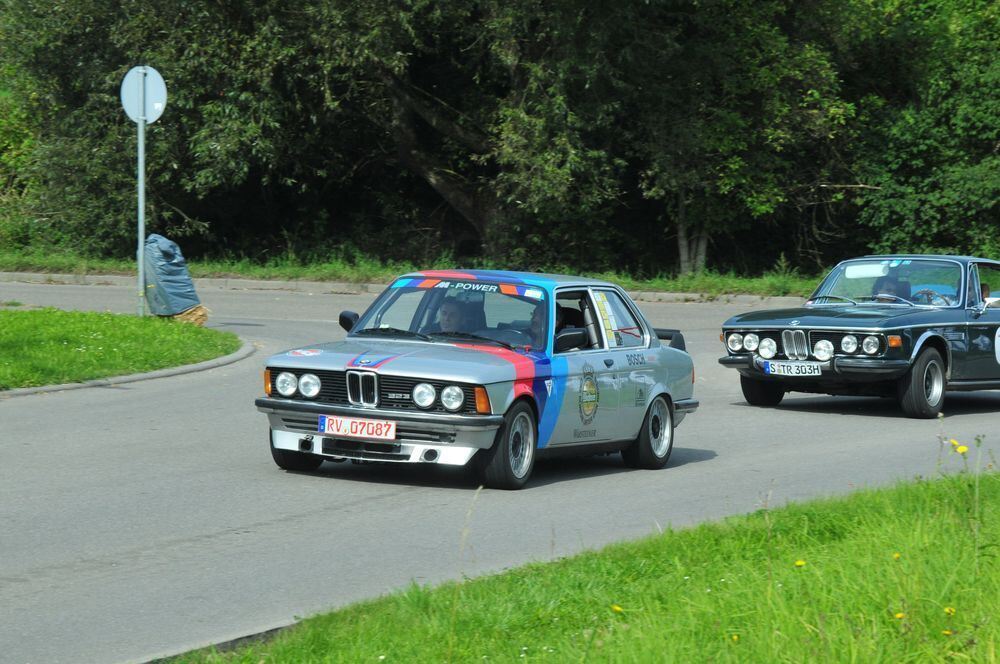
(460, 311)
(896, 281)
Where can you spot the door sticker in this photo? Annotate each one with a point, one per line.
(590, 395)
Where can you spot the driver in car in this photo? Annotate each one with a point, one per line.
(885, 286)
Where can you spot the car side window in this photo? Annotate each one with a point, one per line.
(575, 309)
(620, 325)
(989, 285)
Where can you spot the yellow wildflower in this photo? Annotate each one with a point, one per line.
(947, 632)
(616, 608)
(736, 637)
(949, 610)
(961, 449)
(897, 556)
(954, 443)
(900, 615)
(800, 563)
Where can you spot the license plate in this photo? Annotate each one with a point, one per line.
(357, 427)
(793, 368)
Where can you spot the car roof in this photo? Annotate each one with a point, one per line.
(952, 257)
(540, 280)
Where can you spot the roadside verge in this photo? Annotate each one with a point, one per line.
(245, 350)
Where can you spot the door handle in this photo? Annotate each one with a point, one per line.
(608, 362)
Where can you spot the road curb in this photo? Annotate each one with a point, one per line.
(246, 350)
(350, 288)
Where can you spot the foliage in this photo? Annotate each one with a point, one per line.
(653, 137)
(936, 157)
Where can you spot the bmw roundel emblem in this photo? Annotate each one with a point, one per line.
(364, 361)
(794, 322)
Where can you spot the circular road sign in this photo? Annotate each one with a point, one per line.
(144, 82)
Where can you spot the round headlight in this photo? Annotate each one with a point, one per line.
(823, 350)
(870, 345)
(423, 395)
(751, 341)
(286, 384)
(452, 397)
(309, 385)
(735, 342)
(849, 343)
(768, 348)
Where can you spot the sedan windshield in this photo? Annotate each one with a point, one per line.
(905, 282)
(506, 315)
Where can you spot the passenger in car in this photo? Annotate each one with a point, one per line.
(450, 317)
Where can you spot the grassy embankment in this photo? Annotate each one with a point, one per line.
(904, 574)
(360, 270)
(51, 347)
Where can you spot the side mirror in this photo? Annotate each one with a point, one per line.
(571, 337)
(348, 319)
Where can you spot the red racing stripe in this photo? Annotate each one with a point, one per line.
(524, 367)
(448, 274)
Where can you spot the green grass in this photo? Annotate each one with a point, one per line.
(50, 347)
(366, 270)
(906, 574)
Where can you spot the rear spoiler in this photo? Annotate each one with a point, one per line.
(675, 337)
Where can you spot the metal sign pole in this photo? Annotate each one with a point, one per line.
(144, 96)
(141, 279)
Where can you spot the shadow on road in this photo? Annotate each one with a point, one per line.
(547, 471)
(956, 403)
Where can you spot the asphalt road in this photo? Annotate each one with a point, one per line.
(148, 519)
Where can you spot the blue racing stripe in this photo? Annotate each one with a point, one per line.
(556, 371)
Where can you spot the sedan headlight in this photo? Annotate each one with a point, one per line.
(735, 342)
(286, 383)
(768, 348)
(823, 350)
(452, 397)
(309, 385)
(849, 343)
(423, 395)
(751, 341)
(870, 345)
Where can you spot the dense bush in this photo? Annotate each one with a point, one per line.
(653, 137)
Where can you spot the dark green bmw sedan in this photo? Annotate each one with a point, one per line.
(906, 326)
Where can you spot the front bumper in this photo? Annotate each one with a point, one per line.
(840, 368)
(420, 437)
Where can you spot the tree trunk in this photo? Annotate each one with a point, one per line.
(692, 241)
(476, 205)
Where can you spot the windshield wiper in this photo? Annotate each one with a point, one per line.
(392, 331)
(830, 297)
(895, 298)
(470, 335)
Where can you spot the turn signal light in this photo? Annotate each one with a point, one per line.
(895, 341)
(482, 401)
(267, 382)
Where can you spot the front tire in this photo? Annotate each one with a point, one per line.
(761, 392)
(921, 390)
(651, 450)
(508, 464)
(293, 461)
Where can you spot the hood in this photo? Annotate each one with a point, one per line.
(480, 363)
(847, 316)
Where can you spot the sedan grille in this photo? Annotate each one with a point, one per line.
(393, 391)
(795, 345)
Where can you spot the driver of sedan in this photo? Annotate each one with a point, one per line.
(885, 286)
